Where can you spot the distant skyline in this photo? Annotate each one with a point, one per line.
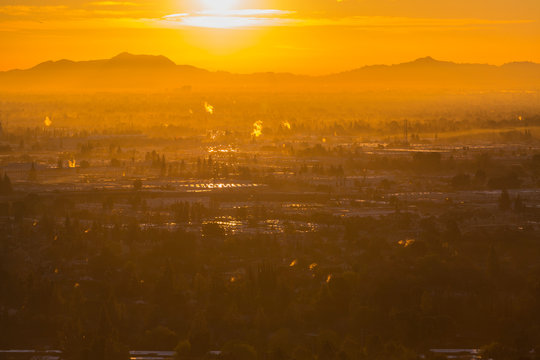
(299, 36)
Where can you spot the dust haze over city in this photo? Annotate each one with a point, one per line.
(269, 180)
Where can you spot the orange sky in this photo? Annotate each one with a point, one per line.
(301, 36)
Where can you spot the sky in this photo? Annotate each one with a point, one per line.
(299, 36)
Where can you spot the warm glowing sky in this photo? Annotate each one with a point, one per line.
(302, 36)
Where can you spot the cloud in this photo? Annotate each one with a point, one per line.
(113, 3)
(405, 22)
(272, 17)
(68, 14)
(129, 14)
(230, 18)
(24, 17)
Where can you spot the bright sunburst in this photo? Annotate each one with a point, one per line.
(226, 14)
(219, 5)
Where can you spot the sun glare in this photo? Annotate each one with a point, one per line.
(219, 5)
(225, 14)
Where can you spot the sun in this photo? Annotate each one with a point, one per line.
(219, 5)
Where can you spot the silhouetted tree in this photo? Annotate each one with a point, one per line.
(504, 200)
(137, 184)
(32, 175)
(5, 185)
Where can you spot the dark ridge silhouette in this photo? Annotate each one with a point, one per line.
(147, 72)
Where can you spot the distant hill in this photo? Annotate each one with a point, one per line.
(146, 72)
(430, 73)
(124, 71)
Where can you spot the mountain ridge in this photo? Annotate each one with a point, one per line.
(126, 57)
(128, 71)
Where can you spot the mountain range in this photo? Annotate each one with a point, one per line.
(147, 72)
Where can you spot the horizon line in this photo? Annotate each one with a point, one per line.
(427, 57)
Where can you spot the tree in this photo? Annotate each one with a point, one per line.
(160, 338)
(199, 335)
(461, 181)
(137, 184)
(518, 204)
(497, 351)
(183, 349)
(504, 200)
(32, 175)
(5, 185)
(238, 351)
(493, 262)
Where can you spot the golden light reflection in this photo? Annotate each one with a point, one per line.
(313, 266)
(209, 108)
(47, 121)
(222, 149)
(257, 128)
(293, 263)
(406, 243)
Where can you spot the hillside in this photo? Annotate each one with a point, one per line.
(146, 72)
